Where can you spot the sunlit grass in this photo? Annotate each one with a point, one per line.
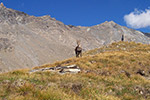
(102, 77)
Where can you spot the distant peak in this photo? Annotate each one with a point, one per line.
(46, 16)
(106, 22)
(2, 5)
(109, 22)
(112, 22)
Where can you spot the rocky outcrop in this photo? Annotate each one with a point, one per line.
(59, 69)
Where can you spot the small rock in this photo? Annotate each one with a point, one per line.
(70, 71)
(106, 73)
(141, 72)
(92, 61)
(124, 48)
(148, 78)
(6, 82)
(141, 92)
(19, 83)
(51, 84)
(126, 73)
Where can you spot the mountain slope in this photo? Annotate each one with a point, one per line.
(27, 41)
(119, 71)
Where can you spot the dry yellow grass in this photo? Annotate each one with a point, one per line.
(108, 73)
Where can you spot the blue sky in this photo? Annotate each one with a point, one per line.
(88, 12)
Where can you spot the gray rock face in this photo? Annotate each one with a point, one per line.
(11, 16)
(28, 41)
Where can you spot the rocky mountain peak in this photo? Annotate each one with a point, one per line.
(2, 5)
(111, 22)
(11, 16)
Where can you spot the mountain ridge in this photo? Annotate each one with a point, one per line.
(27, 41)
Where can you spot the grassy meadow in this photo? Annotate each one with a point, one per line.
(107, 73)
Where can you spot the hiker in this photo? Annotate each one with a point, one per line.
(122, 38)
(78, 49)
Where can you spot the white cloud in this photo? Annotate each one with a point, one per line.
(138, 19)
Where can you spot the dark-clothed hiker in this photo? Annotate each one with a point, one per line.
(78, 49)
